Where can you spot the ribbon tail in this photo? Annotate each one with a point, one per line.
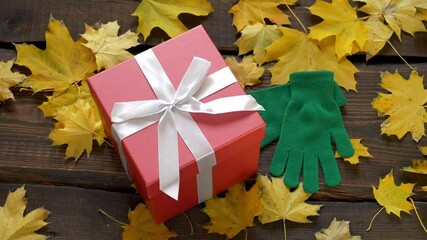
(168, 155)
(202, 151)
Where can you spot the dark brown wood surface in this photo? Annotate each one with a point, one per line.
(74, 191)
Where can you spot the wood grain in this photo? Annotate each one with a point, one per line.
(74, 215)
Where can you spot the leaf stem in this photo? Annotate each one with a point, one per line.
(108, 215)
(260, 13)
(418, 216)
(295, 16)
(246, 234)
(372, 220)
(284, 229)
(398, 54)
(189, 222)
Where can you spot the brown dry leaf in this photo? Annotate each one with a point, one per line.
(400, 15)
(339, 20)
(296, 52)
(235, 212)
(404, 105)
(359, 151)
(337, 230)
(418, 166)
(247, 71)
(394, 198)
(247, 12)
(62, 64)
(8, 79)
(78, 125)
(256, 38)
(14, 225)
(164, 14)
(109, 48)
(282, 204)
(142, 226)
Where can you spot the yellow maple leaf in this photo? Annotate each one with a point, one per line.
(282, 204)
(378, 35)
(418, 166)
(65, 98)
(247, 71)
(8, 79)
(296, 52)
(336, 230)
(248, 12)
(109, 48)
(404, 105)
(339, 20)
(164, 14)
(424, 188)
(400, 15)
(142, 226)
(234, 212)
(63, 62)
(256, 37)
(78, 125)
(393, 197)
(423, 150)
(359, 151)
(14, 225)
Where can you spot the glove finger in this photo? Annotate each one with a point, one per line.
(331, 173)
(279, 161)
(311, 172)
(342, 142)
(293, 168)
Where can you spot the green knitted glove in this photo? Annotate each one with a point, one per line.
(311, 121)
(274, 100)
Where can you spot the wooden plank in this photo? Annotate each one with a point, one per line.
(26, 21)
(74, 215)
(25, 148)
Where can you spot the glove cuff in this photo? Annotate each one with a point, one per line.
(312, 85)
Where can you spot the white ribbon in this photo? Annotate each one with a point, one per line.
(172, 110)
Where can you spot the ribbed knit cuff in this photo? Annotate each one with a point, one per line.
(312, 85)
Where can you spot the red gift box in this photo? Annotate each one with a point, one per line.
(235, 137)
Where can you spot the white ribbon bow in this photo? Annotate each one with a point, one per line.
(172, 110)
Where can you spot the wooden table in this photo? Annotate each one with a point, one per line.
(74, 191)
